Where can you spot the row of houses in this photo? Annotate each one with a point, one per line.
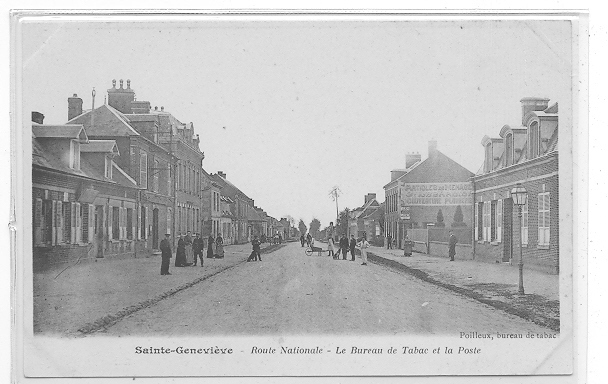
(112, 180)
(427, 198)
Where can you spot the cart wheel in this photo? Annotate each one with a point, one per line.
(308, 251)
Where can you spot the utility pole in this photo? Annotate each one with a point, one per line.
(334, 193)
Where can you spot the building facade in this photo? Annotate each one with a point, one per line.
(526, 155)
(418, 192)
(84, 204)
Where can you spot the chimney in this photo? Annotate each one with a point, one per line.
(413, 158)
(121, 98)
(529, 104)
(37, 117)
(140, 107)
(369, 197)
(74, 106)
(221, 174)
(432, 148)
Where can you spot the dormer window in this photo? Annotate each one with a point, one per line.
(108, 167)
(74, 154)
(533, 140)
(509, 150)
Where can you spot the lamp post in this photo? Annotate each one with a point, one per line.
(520, 196)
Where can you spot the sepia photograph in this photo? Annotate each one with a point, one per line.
(296, 195)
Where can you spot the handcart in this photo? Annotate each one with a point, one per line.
(311, 249)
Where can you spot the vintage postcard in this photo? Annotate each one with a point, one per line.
(241, 195)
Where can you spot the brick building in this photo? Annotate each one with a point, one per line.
(84, 203)
(142, 156)
(416, 193)
(525, 154)
(242, 205)
(367, 220)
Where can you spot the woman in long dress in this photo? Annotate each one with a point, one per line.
(210, 242)
(180, 255)
(219, 247)
(189, 252)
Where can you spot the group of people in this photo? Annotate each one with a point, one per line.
(189, 250)
(345, 246)
(255, 253)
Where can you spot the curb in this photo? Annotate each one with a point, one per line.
(511, 308)
(111, 319)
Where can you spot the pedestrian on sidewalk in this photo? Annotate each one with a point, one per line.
(210, 242)
(219, 247)
(189, 252)
(363, 245)
(197, 249)
(389, 241)
(165, 248)
(180, 255)
(344, 246)
(353, 244)
(452, 245)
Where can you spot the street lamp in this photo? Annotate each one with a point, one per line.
(520, 196)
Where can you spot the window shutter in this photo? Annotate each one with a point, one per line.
(110, 220)
(73, 223)
(38, 221)
(547, 218)
(76, 223)
(91, 222)
(499, 221)
(147, 229)
(58, 221)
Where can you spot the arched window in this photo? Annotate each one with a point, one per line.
(533, 140)
(509, 150)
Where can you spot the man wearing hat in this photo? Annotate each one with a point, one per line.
(165, 247)
(197, 248)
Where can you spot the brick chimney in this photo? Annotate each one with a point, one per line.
(121, 98)
(221, 174)
(369, 197)
(37, 117)
(432, 148)
(413, 158)
(529, 104)
(74, 106)
(140, 107)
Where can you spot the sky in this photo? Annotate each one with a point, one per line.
(290, 109)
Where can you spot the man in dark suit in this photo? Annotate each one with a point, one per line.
(344, 246)
(197, 249)
(452, 244)
(353, 244)
(165, 247)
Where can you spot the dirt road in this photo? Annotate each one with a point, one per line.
(291, 293)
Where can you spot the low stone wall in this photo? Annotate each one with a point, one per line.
(440, 248)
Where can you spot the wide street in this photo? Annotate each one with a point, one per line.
(291, 293)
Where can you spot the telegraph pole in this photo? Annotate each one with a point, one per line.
(334, 193)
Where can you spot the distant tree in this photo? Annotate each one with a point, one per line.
(315, 226)
(440, 222)
(458, 218)
(302, 227)
(342, 224)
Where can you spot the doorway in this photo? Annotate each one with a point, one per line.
(155, 228)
